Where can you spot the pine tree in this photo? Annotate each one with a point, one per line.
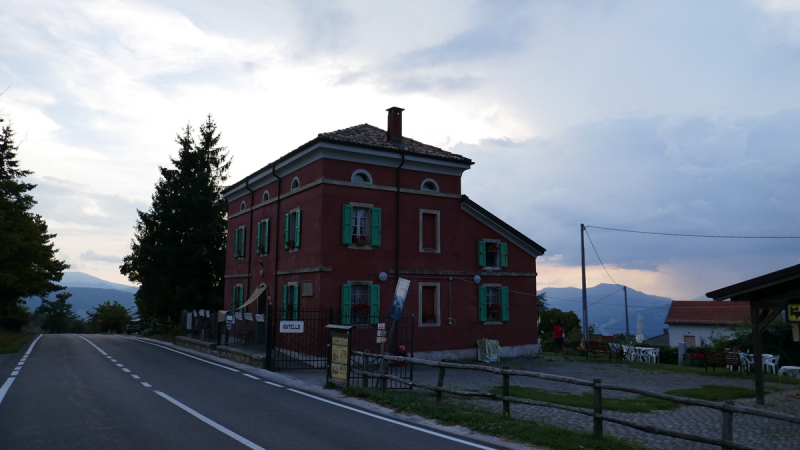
(59, 313)
(178, 250)
(28, 264)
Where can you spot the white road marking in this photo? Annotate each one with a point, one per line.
(135, 377)
(107, 356)
(5, 388)
(186, 354)
(273, 384)
(15, 373)
(21, 362)
(126, 370)
(146, 384)
(92, 344)
(113, 360)
(251, 376)
(30, 349)
(210, 422)
(120, 365)
(386, 419)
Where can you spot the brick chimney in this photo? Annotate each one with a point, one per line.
(395, 126)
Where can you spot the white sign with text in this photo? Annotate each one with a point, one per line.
(292, 326)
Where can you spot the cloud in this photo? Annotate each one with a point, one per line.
(92, 256)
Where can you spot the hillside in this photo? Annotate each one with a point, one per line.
(85, 299)
(606, 308)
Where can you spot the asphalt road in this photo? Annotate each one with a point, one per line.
(95, 391)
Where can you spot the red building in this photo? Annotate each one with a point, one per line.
(332, 223)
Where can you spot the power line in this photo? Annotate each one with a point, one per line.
(598, 256)
(689, 235)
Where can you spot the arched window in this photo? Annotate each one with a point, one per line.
(430, 185)
(243, 206)
(265, 197)
(361, 176)
(295, 183)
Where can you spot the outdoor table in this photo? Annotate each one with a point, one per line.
(791, 371)
(641, 352)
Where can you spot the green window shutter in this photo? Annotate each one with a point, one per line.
(504, 303)
(375, 224)
(374, 303)
(236, 243)
(347, 304)
(481, 254)
(481, 303)
(347, 218)
(296, 302)
(286, 233)
(233, 299)
(258, 237)
(503, 254)
(242, 242)
(241, 296)
(266, 236)
(285, 300)
(297, 229)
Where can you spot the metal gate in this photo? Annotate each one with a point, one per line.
(299, 339)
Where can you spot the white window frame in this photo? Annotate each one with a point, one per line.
(488, 266)
(354, 177)
(368, 208)
(438, 248)
(295, 184)
(498, 289)
(429, 180)
(436, 306)
(365, 285)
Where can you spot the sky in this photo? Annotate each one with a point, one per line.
(675, 117)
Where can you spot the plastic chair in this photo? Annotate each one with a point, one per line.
(746, 362)
(771, 364)
(655, 355)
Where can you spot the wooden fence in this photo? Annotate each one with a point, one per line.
(727, 408)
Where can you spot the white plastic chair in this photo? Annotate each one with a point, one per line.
(771, 364)
(655, 355)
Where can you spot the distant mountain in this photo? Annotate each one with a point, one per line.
(606, 308)
(80, 279)
(86, 299)
(88, 292)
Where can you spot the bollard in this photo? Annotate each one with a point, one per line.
(506, 403)
(598, 408)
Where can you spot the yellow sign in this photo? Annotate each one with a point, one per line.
(793, 312)
(339, 372)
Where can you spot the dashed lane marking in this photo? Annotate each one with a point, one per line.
(251, 376)
(126, 370)
(146, 384)
(15, 373)
(135, 377)
(274, 384)
(210, 422)
(402, 424)
(120, 365)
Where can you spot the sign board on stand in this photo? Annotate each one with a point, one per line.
(793, 312)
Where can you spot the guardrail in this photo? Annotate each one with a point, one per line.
(727, 408)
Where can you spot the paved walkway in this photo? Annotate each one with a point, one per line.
(749, 430)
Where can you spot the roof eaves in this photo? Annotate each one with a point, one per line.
(502, 225)
(778, 276)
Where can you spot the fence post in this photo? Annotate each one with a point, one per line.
(727, 424)
(440, 383)
(506, 403)
(268, 337)
(598, 408)
(384, 371)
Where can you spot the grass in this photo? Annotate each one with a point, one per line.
(488, 422)
(12, 342)
(639, 404)
(714, 393)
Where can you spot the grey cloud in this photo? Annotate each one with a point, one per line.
(92, 256)
(722, 176)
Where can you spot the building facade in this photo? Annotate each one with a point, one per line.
(332, 224)
(693, 322)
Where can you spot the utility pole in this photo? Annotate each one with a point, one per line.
(627, 327)
(583, 277)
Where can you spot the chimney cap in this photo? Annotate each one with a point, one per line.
(395, 109)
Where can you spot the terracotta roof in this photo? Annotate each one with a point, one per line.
(366, 134)
(702, 312)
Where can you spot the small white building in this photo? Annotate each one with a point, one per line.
(692, 322)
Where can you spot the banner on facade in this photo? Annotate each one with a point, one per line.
(400, 294)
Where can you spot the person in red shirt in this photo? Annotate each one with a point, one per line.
(558, 333)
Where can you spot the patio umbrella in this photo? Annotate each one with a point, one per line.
(639, 329)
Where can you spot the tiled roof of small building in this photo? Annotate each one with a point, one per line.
(366, 134)
(702, 312)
